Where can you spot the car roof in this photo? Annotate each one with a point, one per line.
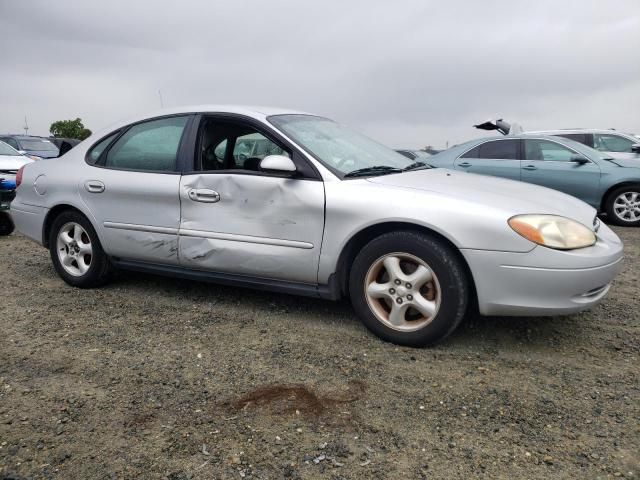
(248, 110)
(577, 130)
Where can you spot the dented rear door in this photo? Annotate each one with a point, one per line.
(251, 224)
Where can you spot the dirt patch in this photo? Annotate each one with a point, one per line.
(152, 377)
(296, 398)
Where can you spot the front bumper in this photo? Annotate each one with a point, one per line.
(545, 281)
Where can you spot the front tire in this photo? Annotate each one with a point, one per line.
(409, 288)
(623, 206)
(76, 252)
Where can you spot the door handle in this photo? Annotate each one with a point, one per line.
(529, 167)
(94, 186)
(204, 195)
(464, 165)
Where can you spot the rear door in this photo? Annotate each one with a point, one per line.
(499, 158)
(131, 187)
(552, 165)
(237, 219)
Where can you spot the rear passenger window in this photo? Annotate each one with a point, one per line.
(96, 151)
(499, 150)
(148, 146)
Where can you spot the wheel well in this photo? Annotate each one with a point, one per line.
(51, 216)
(605, 197)
(360, 239)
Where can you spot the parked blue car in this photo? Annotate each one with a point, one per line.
(610, 185)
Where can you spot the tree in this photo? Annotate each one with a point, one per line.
(69, 129)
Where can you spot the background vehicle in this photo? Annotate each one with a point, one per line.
(614, 144)
(609, 185)
(30, 145)
(331, 214)
(7, 193)
(11, 161)
(64, 144)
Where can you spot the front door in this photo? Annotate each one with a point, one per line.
(240, 220)
(552, 165)
(131, 187)
(496, 157)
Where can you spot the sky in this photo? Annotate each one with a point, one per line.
(408, 73)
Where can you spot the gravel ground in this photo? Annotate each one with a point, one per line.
(160, 378)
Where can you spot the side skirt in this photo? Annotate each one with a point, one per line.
(328, 292)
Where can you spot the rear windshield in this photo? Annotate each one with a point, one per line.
(37, 144)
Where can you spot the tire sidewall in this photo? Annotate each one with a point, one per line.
(611, 215)
(447, 268)
(96, 273)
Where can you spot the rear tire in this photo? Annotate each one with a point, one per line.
(76, 252)
(409, 288)
(623, 206)
(6, 224)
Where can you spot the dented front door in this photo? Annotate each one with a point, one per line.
(255, 225)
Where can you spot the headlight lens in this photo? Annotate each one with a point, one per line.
(553, 231)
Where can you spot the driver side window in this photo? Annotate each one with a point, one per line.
(226, 145)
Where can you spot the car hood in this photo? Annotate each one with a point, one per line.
(511, 196)
(13, 162)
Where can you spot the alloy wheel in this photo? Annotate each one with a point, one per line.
(626, 206)
(74, 249)
(402, 291)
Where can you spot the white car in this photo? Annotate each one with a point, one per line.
(10, 161)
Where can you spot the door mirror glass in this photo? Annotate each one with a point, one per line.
(579, 159)
(277, 163)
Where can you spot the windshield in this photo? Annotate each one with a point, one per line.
(37, 144)
(7, 150)
(337, 147)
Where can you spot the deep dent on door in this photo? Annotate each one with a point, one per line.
(260, 219)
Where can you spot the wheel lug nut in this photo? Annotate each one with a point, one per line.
(408, 285)
(392, 291)
(397, 282)
(409, 297)
(399, 300)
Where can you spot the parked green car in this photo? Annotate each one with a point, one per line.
(610, 185)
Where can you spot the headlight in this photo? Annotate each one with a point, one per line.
(553, 231)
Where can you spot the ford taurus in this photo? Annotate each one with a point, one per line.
(292, 202)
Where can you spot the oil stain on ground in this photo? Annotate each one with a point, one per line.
(282, 399)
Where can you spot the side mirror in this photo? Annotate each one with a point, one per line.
(22, 152)
(579, 159)
(635, 148)
(277, 163)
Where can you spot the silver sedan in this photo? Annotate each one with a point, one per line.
(291, 202)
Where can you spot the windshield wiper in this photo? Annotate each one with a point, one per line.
(416, 166)
(376, 170)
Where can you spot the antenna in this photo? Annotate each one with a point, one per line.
(26, 126)
(160, 95)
